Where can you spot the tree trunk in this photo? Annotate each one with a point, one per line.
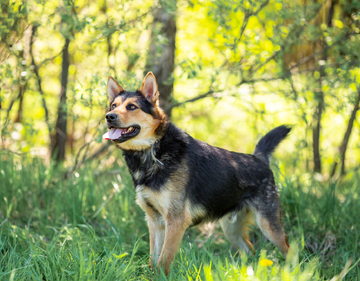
(347, 134)
(58, 150)
(320, 98)
(316, 133)
(345, 141)
(19, 115)
(161, 56)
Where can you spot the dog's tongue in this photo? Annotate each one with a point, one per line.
(113, 134)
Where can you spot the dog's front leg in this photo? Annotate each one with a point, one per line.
(175, 229)
(156, 225)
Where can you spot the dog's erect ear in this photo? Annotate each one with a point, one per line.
(113, 88)
(149, 88)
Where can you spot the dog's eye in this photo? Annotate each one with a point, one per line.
(131, 107)
(113, 106)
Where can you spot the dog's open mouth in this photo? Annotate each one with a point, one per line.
(121, 134)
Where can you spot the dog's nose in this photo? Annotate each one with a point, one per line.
(111, 117)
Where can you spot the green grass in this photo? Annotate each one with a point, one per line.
(88, 227)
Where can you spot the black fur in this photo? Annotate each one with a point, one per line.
(270, 141)
(219, 180)
(143, 103)
(170, 152)
(223, 181)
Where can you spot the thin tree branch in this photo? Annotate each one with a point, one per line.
(100, 151)
(324, 49)
(11, 104)
(38, 78)
(287, 40)
(85, 159)
(287, 74)
(246, 20)
(49, 59)
(78, 163)
(250, 81)
(108, 40)
(22, 91)
(207, 94)
(119, 27)
(346, 138)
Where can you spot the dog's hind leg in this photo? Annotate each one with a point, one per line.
(269, 221)
(235, 228)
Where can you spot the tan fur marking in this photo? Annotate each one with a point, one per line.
(137, 175)
(117, 101)
(175, 229)
(171, 198)
(247, 241)
(149, 89)
(170, 203)
(249, 220)
(147, 123)
(235, 227)
(156, 226)
(287, 241)
(160, 200)
(113, 88)
(279, 237)
(197, 212)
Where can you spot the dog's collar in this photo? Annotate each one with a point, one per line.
(157, 161)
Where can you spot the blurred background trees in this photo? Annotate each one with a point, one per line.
(228, 71)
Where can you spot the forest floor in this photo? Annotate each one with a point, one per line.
(87, 226)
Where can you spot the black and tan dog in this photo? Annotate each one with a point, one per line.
(181, 182)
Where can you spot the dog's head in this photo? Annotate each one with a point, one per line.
(135, 119)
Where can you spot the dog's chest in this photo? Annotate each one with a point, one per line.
(145, 171)
(153, 200)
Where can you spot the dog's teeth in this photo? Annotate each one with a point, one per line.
(129, 129)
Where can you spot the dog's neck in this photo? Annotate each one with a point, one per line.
(153, 154)
(148, 156)
(149, 166)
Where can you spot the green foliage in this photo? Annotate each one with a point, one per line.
(263, 54)
(13, 16)
(88, 227)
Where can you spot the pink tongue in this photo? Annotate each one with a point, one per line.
(113, 134)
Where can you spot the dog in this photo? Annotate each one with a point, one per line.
(181, 182)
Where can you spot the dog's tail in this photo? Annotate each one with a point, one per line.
(269, 142)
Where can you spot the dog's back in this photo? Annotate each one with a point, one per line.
(221, 181)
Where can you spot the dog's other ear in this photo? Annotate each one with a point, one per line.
(149, 88)
(113, 88)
